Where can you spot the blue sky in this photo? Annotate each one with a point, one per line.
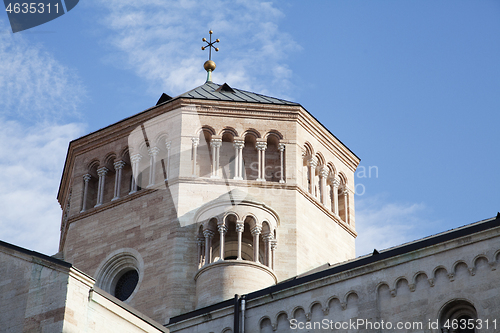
(412, 87)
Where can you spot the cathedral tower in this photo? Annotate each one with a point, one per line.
(214, 192)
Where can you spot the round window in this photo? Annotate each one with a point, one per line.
(126, 284)
(121, 274)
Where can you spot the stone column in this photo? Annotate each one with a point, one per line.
(335, 204)
(222, 231)
(281, 148)
(195, 142)
(135, 172)
(346, 204)
(312, 163)
(118, 178)
(238, 158)
(256, 233)
(153, 152)
(240, 227)
(208, 246)
(215, 144)
(274, 245)
(101, 172)
(86, 179)
(324, 193)
(200, 242)
(167, 145)
(268, 239)
(261, 150)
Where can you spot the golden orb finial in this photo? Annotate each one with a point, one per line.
(209, 65)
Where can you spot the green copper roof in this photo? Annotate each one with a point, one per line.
(217, 92)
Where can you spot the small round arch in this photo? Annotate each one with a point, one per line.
(309, 151)
(206, 128)
(342, 178)
(274, 133)
(313, 304)
(296, 309)
(456, 264)
(436, 269)
(229, 130)
(320, 158)
(252, 132)
(400, 280)
(416, 276)
(332, 170)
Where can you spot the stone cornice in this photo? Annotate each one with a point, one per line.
(329, 141)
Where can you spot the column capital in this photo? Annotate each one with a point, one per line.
(168, 144)
(336, 183)
(240, 226)
(195, 141)
(268, 237)
(215, 142)
(102, 171)
(238, 144)
(256, 230)
(281, 147)
(153, 151)
(324, 172)
(261, 145)
(208, 233)
(119, 165)
(345, 191)
(135, 158)
(312, 162)
(222, 228)
(200, 240)
(87, 177)
(274, 244)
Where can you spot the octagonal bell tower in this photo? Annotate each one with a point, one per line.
(215, 192)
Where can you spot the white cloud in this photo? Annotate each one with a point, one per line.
(37, 95)
(33, 85)
(381, 225)
(31, 160)
(162, 41)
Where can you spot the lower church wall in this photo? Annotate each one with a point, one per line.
(415, 288)
(42, 294)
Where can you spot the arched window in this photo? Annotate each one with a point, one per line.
(227, 156)
(457, 313)
(92, 187)
(204, 155)
(250, 158)
(126, 177)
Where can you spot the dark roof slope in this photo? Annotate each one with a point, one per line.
(217, 92)
(35, 254)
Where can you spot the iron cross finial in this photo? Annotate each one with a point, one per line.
(209, 65)
(210, 45)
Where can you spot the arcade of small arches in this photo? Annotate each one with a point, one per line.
(113, 169)
(229, 238)
(324, 183)
(249, 157)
